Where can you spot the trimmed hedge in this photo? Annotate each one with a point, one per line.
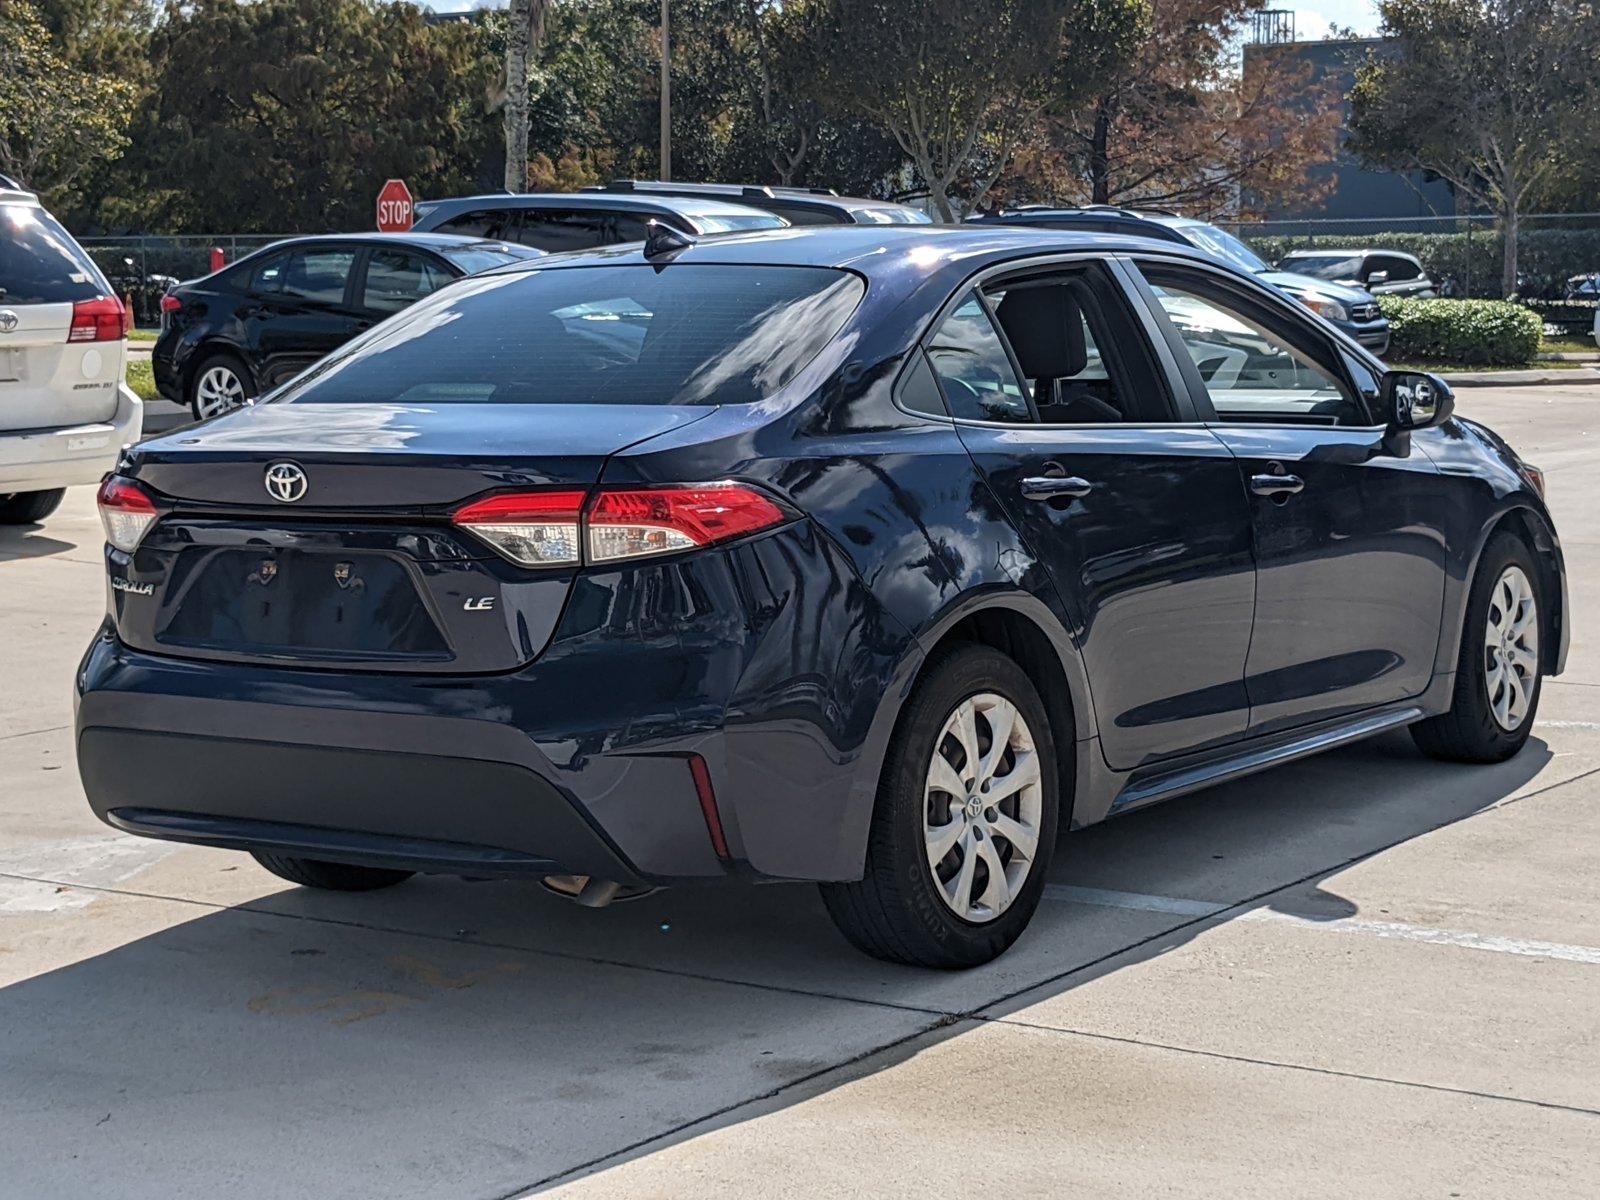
(1546, 258)
(1492, 333)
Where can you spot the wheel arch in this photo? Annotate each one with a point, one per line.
(1534, 530)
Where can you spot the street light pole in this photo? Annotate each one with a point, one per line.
(666, 93)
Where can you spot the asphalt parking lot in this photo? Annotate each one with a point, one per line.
(1367, 974)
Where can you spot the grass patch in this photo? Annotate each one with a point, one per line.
(1567, 344)
(1442, 368)
(143, 335)
(141, 378)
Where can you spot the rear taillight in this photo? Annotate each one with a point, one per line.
(170, 303)
(536, 529)
(638, 523)
(126, 512)
(103, 319)
(543, 529)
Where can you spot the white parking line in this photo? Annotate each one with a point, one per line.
(1178, 906)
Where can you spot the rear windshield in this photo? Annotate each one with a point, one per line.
(698, 335)
(39, 261)
(1323, 266)
(473, 259)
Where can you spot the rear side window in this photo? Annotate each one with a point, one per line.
(555, 230)
(496, 224)
(689, 334)
(40, 263)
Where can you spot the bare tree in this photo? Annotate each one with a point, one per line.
(524, 32)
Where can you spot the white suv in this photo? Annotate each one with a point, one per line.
(65, 412)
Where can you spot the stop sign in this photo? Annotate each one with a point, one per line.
(394, 207)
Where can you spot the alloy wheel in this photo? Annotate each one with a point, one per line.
(219, 390)
(1511, 648)
(982, 807)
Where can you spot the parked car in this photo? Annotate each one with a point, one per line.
(1585, 286)
(256, 324)
(1381, 272)
(582, 221)
(797, 206)
(869, 556)
(1348, 309)
(65, 412)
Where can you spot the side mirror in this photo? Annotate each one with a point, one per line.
(1414, 400)
(1374, 278)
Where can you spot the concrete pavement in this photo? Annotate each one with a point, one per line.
(1362, 975)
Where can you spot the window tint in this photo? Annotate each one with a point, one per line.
(798, 214)
(1253, 371)
(557, 230)
(268, 274)
(697, 335)
(1400, 269)
(40, 263)
(318, 275)
(397, 279)
(496, 224)
(974, 370)
(917, 390)
(1332, 267)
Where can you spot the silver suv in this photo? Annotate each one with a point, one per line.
(65, 411)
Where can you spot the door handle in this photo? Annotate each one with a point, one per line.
(1055, 487)
(1276, 486)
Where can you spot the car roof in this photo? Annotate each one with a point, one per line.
(817, 198)
(685, 206)
(1349, 251)
(1040, 216)
(438, 241)
(895, 256)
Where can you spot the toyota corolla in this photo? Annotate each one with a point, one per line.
(872, 557)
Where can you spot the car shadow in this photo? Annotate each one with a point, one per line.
(478, 1039)
(27, 541)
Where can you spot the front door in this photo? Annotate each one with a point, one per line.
(1138, 519)
(1350, 564)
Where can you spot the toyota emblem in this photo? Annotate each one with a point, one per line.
(285, 481)
(8, 320)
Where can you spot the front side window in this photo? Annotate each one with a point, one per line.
(689, 335)
(1332, 267)
(973, 368)
(555, 231)
(1256, 367)
(397, 279)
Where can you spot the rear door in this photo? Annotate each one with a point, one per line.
(1139, 518)
(302, 309)
(46, 381)
(1350, 558)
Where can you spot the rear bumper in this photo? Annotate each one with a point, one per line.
(41, 459)
(766, 660)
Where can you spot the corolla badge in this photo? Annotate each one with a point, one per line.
(8, 321)
(285, 481)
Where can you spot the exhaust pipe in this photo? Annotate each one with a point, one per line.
(591, 892)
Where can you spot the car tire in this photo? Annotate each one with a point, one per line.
(29, 508)
(218, 377)
(329, 876)
(1499, 671)
(904, 908)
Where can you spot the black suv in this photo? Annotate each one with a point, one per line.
(798, 206)
(558, 222)
(264, 319)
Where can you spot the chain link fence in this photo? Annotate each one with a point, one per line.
(143, 266)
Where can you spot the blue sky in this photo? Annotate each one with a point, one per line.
(1310, 22)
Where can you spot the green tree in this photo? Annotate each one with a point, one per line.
(959, 83)
(56, 119)
(288, 115)
(1493, 95)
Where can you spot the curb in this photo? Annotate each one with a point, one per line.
(1566, 377)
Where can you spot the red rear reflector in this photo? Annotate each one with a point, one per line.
(639, 522)
(103, 319)
(125, 511)
(708, 804)
(536, 529)
(170, 303)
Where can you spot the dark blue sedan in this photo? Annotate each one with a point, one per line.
(867, 556)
